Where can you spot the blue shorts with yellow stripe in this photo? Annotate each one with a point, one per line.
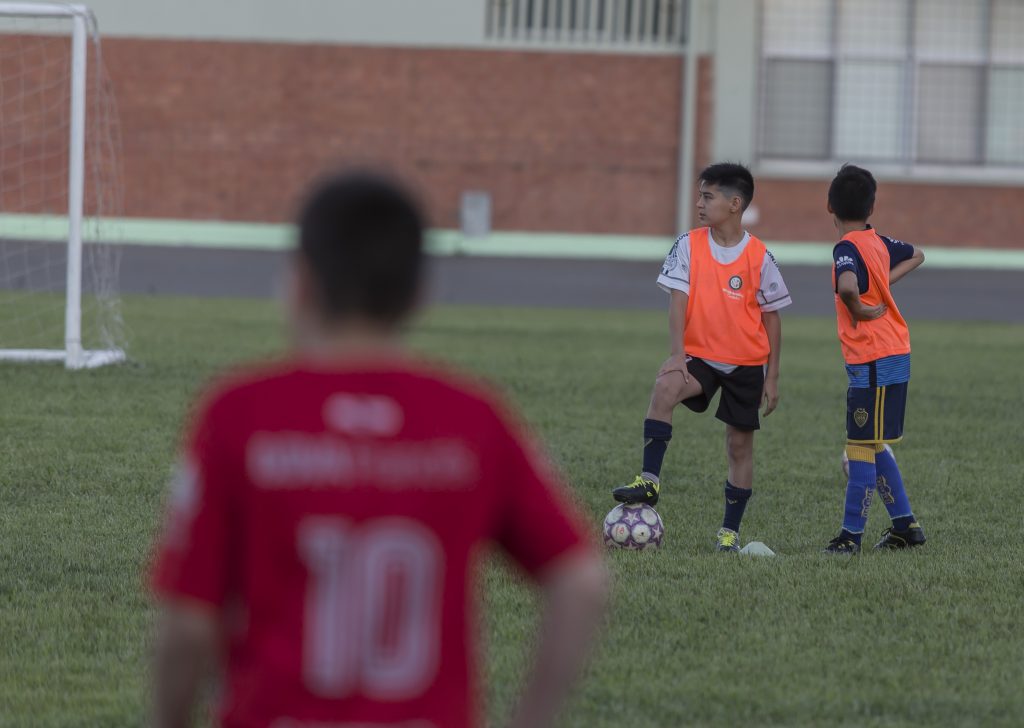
(877, 399)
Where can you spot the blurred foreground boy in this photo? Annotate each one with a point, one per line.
(876, 348)
(323, 535)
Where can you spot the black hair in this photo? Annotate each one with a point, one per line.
(362, 237)
(852, 193)
(732, 176)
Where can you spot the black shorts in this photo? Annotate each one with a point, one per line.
(741, 393)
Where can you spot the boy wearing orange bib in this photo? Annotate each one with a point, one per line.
(875, 341)
(725, 333)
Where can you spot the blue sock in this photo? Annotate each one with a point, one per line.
(859, 490)
(892, 492)
(656, 437)
(735, 503)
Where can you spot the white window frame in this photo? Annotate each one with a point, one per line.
(908, 168)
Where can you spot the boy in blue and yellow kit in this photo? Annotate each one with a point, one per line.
(875, 341)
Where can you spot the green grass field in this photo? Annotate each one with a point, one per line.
(693, 638)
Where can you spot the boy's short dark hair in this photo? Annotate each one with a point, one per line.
(852, 193)
(362, 236)
(734, 177)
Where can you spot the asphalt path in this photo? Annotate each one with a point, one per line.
(936, 294)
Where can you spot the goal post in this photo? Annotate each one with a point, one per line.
(49, 169)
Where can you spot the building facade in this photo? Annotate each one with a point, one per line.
(569, 113)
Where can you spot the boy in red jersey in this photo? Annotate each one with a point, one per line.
(876, 348)
(324, 531)
(725, 333)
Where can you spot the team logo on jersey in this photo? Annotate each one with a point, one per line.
(860, 416)
(363, 414)
(184, 486)
(735, 283)
(183, 501)
(671, 260)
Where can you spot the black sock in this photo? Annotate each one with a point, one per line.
(656, 437)
(735, 503)
(851, 536)
(903, 522)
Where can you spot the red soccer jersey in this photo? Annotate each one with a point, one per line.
(334, 518)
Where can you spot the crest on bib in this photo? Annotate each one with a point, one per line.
(735, 283)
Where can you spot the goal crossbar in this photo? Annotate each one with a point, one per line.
(44, 10)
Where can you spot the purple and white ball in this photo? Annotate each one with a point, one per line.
(634, 526)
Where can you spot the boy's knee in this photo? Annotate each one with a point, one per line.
(668, 388)
(739, 444)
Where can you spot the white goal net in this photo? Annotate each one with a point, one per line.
(59, 178)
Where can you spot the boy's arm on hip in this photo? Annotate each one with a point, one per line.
(903, 267)
(846, 288)
(849, 294)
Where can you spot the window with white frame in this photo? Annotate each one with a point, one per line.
(905, 81)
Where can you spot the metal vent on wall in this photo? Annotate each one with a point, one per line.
(640, 24)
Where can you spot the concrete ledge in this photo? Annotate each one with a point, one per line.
(266, 236)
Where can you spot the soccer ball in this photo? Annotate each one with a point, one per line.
(634, 526)
(846, 461)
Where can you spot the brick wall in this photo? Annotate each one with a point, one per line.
(965, 216)
(34, 91)
(563, 142)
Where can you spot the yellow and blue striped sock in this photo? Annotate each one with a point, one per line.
(891, 490)
(859, 490)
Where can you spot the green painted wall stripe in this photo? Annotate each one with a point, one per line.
(139, 231)
(265, 236)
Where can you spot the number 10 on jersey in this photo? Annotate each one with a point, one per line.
(373, 607)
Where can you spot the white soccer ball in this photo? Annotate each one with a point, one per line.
(846, 461)
(634, 526)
